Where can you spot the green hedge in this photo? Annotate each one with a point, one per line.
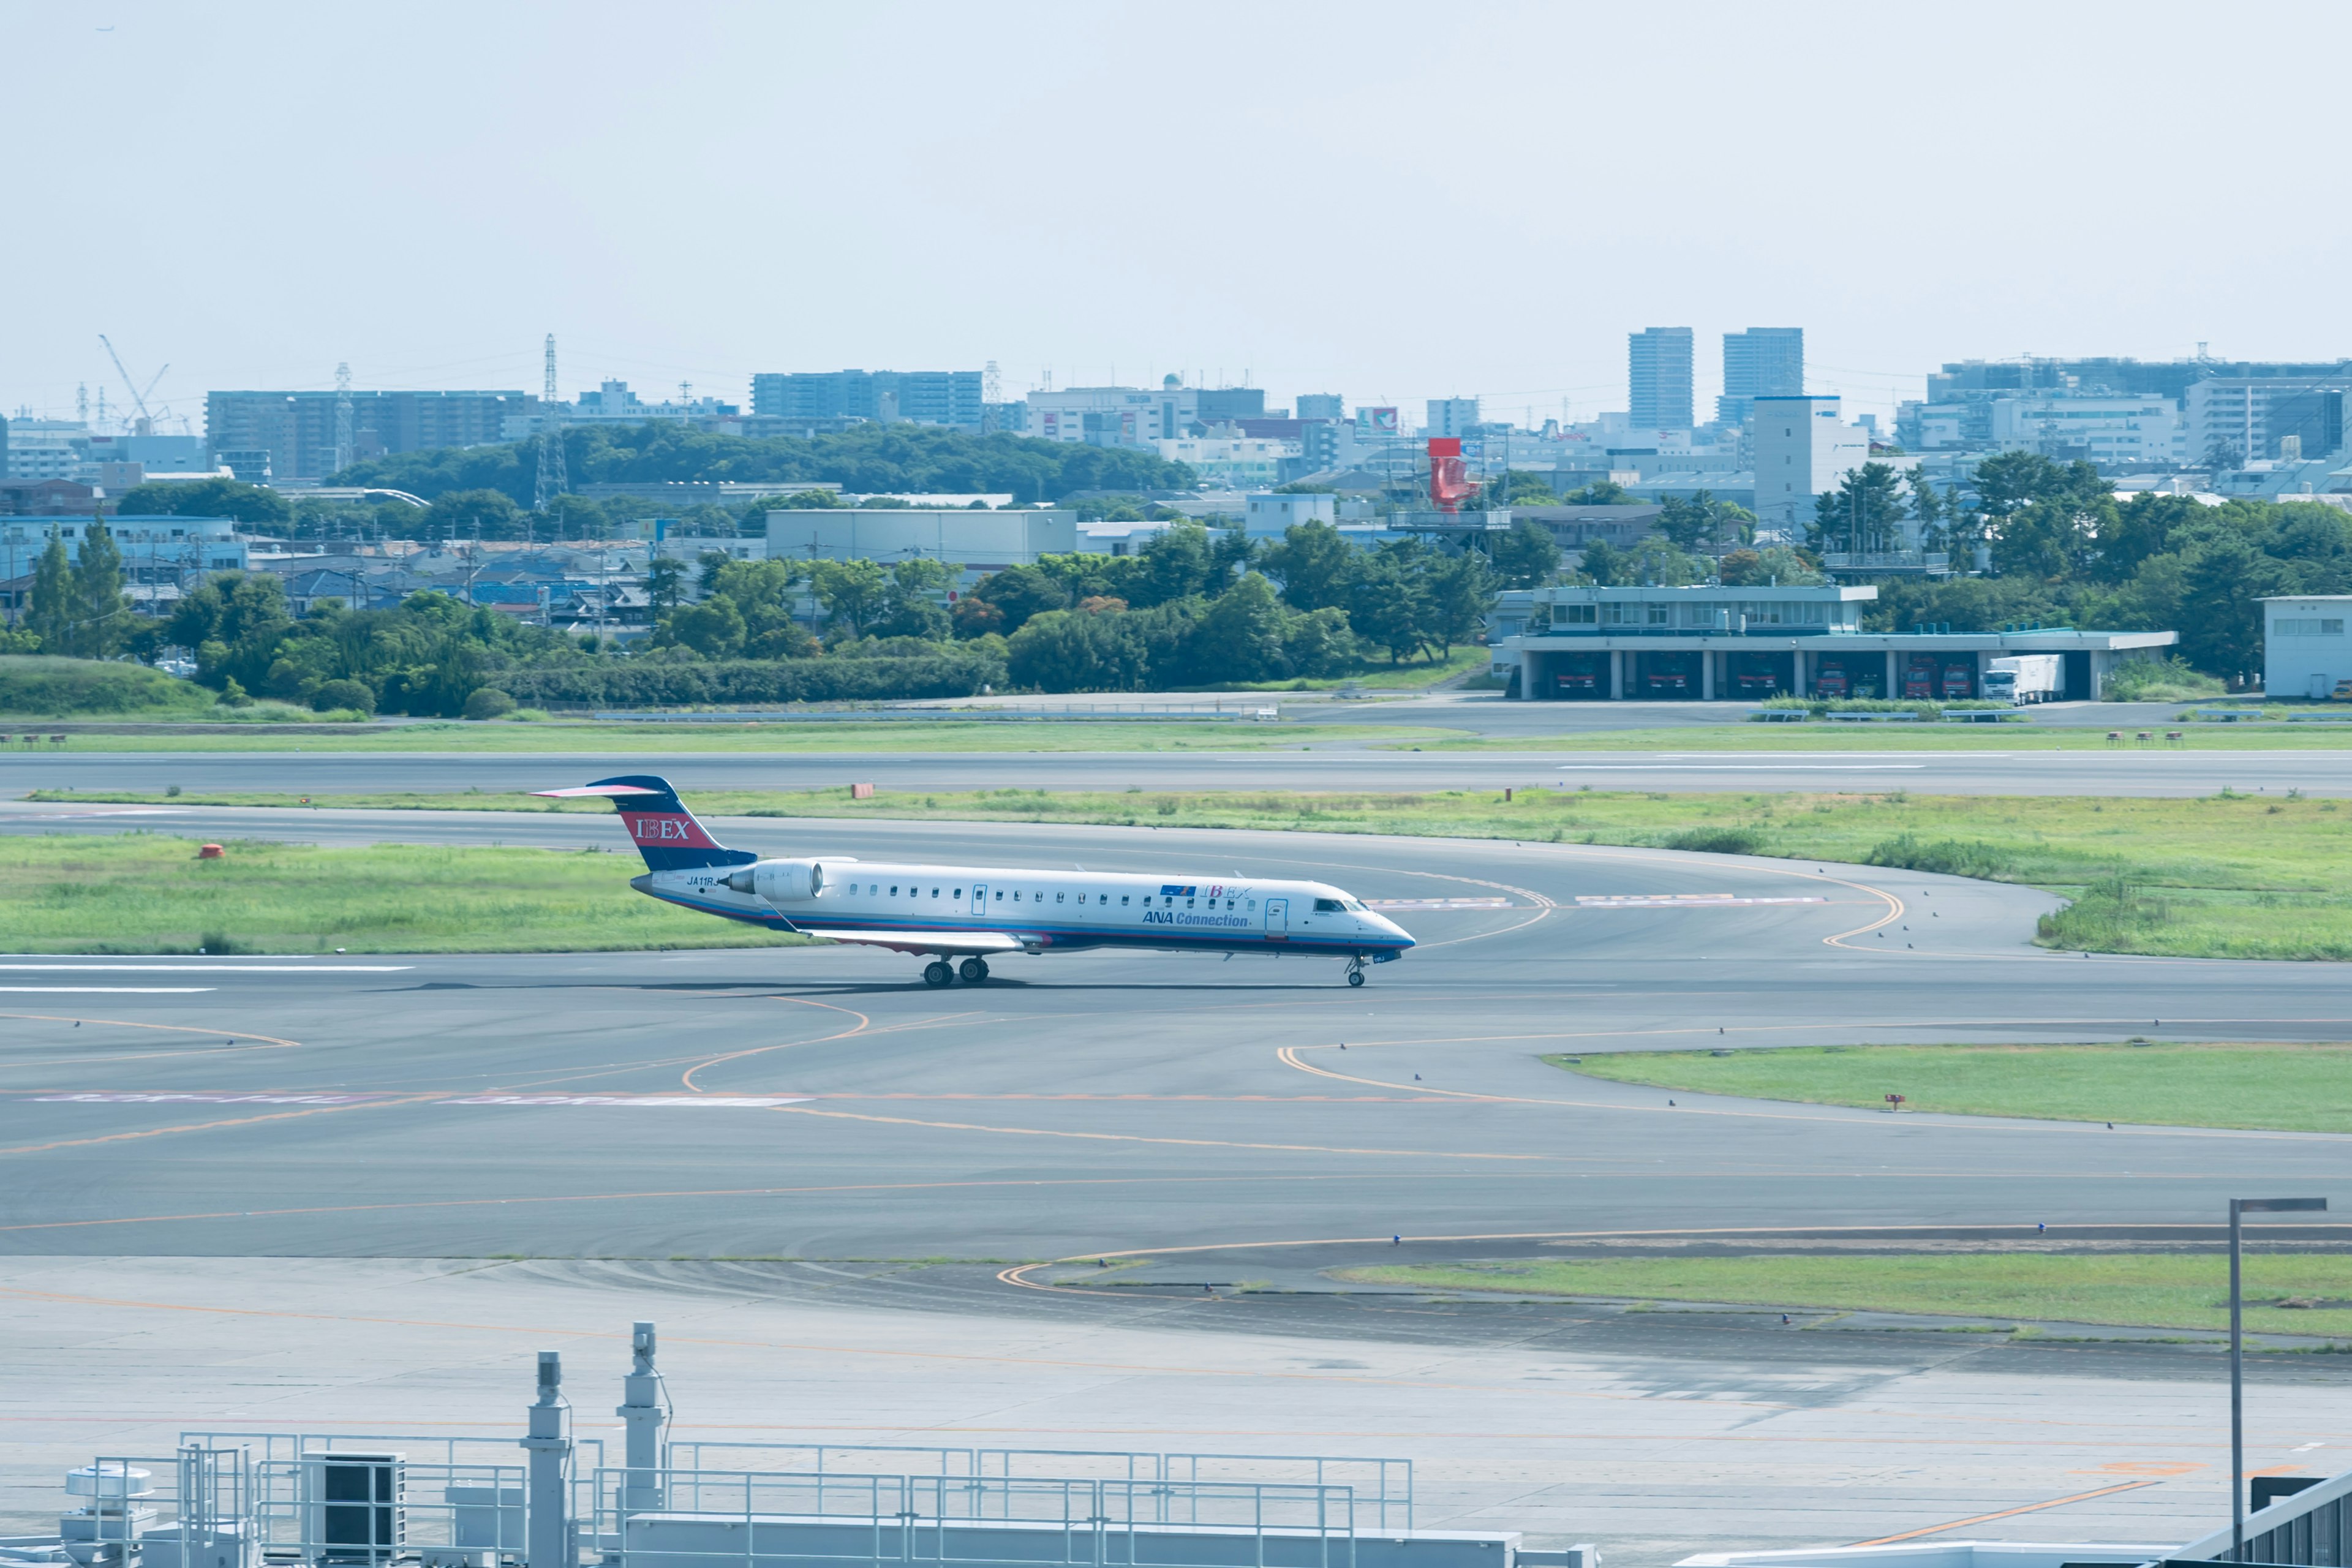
(36, 684)
(650, 683)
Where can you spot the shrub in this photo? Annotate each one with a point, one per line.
(1716, 841)
(1945, 858)
(2160, 680)
(957, 670)
(2111, 914)
(334, 694)
(58, 688)
(488, 702)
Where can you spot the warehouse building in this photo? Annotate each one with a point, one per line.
(2305, 649)
(1710, 644)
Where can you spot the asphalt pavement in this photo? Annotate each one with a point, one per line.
(1082, 1103)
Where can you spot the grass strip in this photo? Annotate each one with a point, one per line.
(555, 737)
(145, 893)
(1824, 735)
(2223, 876)
(2161, 1290)
(2291, 1087)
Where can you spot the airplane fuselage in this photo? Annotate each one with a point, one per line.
(1057, 909)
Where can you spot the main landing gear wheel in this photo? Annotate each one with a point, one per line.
(975, 971)
(1355, 972)
(936, 973)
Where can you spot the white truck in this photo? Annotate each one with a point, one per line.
(2025, 676)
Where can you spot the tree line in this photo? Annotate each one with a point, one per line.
(867, 458)
(2062, 550)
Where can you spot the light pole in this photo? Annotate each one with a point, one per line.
(2238, 1360)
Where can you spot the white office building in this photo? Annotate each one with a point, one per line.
(2133, 431)
(1802, 447)
(1242, 462)
(2305, 649)
(2250, 417)
(1114, 415)
(980, 541)
(1266, 515)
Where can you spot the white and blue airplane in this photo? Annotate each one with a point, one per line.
(975, 912)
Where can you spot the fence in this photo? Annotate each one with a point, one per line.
(1382, 1488)
(764, 1519)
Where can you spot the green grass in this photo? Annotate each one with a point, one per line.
(2166, 1290)
(85, 687)
(2221, 876)
(1823, 735)
(1411, 677)
(2302, 1089)
(558, 737)
(144, 893)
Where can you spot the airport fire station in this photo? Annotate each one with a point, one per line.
(1712, 644)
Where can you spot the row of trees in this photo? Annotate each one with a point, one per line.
(77, 607)
(2065, 552)
(867, 458)
(1192, 606)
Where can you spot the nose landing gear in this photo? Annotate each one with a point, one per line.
(1356, 970)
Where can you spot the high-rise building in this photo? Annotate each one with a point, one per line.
(948, 397)
(1802, 446)
(1322, 405)
(1659, 377)
(1762, 361)
(297, 429)
(1451, 416)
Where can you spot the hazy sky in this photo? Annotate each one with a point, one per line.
(1391, 202)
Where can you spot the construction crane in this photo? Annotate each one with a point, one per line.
(146, 426)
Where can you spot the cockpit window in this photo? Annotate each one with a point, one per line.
(1326, 905)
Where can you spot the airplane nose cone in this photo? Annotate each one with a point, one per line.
(1399, 930)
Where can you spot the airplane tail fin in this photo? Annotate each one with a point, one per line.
(664, 831)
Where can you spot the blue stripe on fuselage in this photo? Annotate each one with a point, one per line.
(1057, 936)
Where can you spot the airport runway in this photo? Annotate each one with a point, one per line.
(821, 1102)
(2126, 771)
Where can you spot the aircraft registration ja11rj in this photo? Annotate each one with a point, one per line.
(972, 914)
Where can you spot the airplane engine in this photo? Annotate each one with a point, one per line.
(779, 881)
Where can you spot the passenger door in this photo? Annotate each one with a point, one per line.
(980, 898)
(1277, 920)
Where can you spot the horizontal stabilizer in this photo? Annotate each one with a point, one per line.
(972, 941)
(596, 792)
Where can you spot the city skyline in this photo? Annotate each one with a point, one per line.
(546, 154)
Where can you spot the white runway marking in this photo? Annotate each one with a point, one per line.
(1743, 767)
(1683, 901)
(1438, 903)
(199, 1097)
(110, 990)
(740, 1102)
(212, 968)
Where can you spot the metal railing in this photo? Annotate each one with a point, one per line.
(762, 1518)
(360, 1506)
(1382, 1488)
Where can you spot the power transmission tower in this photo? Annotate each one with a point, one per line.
(342, 416)
(991, 393)
(551, 479)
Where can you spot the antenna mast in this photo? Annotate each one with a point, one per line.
(553, 481)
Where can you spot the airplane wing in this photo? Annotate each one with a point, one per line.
(921, 942)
